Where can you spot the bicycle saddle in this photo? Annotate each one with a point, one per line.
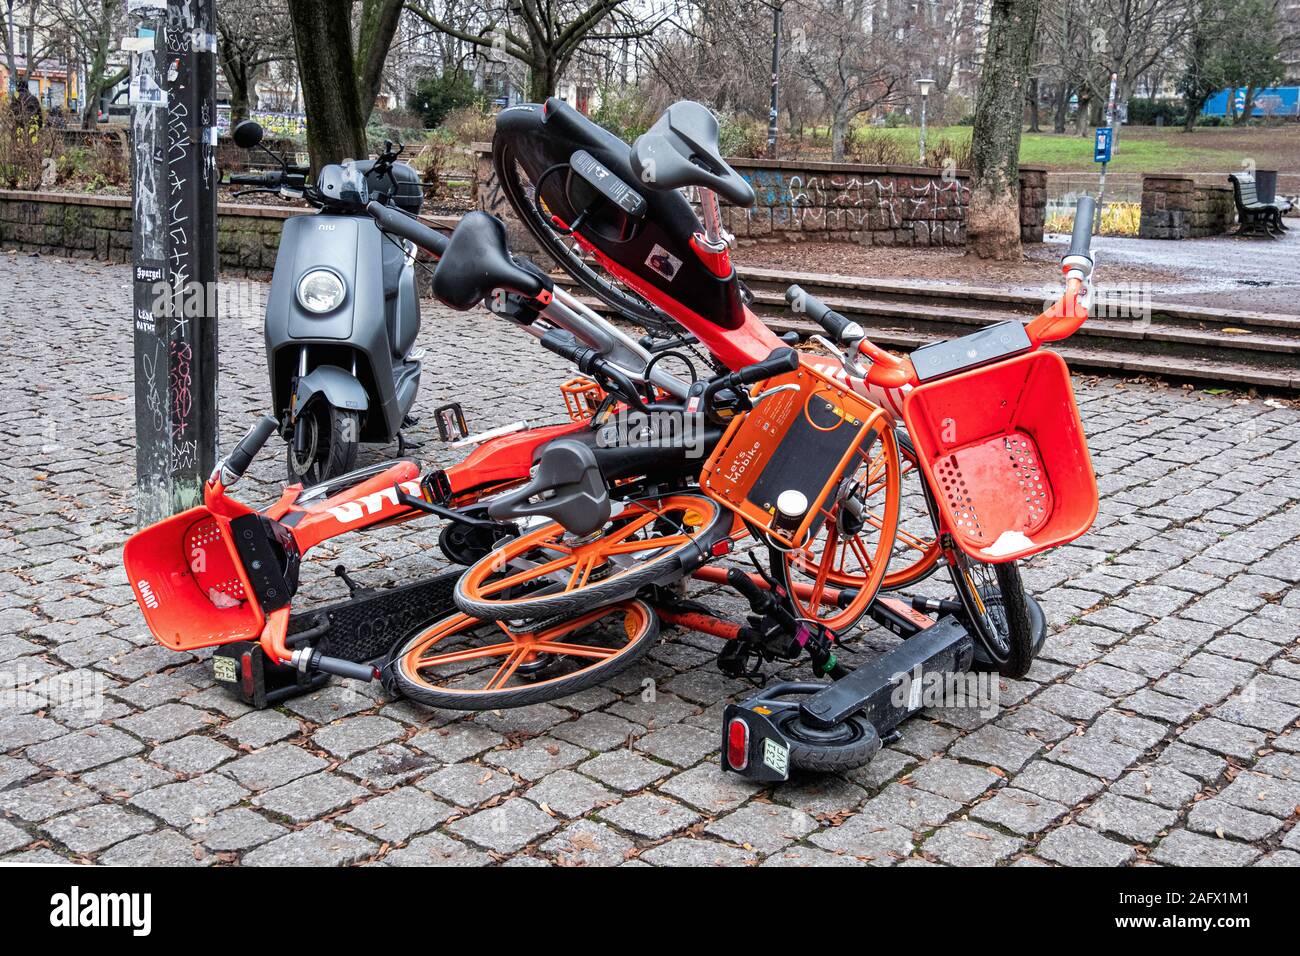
(477, 261)
(681, 149)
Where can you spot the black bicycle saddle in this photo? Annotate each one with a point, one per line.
(478, 260)
(681, 149)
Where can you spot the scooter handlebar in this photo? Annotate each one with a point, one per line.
(1081, 238)
(242, 455)
(408, 227)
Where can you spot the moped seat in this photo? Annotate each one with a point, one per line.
(681, 149)
(477, 261)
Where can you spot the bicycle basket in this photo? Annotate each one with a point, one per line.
(806, 441)
(190, 583)
(1005, 455)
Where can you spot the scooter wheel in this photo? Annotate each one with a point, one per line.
(842, 747)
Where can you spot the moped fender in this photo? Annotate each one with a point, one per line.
(340, 388)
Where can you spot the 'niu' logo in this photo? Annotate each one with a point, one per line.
(370, 504)
(75, 909)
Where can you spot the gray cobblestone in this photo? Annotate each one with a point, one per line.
(1073, 845)
(1175, 621)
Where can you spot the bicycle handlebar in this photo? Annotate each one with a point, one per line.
(1081, 239)
(590, 362)
(781, 360)
(408, 227)
(835, 324)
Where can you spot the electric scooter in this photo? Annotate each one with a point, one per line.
(343, 313)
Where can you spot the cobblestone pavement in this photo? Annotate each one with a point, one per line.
(1159, 725)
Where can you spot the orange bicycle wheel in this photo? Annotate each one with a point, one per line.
(851, 550)
(548, 573)
(462, 663)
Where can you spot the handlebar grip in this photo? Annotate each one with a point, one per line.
(242, 455)
(255, 179)
(817, 310)
(343, 668)
(781, 360)
(562, 344)
(1081, 239)
(408, 227)
(744, 585)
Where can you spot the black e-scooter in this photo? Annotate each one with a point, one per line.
(343, 314)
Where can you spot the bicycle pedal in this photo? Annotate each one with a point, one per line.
(451, 422)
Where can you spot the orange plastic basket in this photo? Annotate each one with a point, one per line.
(1005, 454)
(190, 583)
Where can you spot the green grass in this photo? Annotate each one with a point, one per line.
(1141, 149)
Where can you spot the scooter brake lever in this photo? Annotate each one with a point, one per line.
(428, 507)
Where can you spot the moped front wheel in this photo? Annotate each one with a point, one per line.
(329, 444)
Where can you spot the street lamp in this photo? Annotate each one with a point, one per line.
(925, 95)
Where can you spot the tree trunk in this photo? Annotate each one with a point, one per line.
(322, 37)
(1247, 107)
(993, 218)
(1062, 108)
(839, 128)
(237, 78)
(543, 78)
(1033, 105)
(379, 19)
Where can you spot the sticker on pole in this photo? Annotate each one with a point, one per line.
(1101, 147)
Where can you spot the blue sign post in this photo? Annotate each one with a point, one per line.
(1101, 147)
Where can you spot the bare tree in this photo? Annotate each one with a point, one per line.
(251, 34)
(94, 26)
(851, 66)
(544, 35)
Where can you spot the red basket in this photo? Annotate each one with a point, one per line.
(1005, 454)
(190, 583)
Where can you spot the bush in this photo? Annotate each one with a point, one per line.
(875, 147)
(956, 152)
(742, 135)
(1212, 121)
(470, 124)
(25, 144)
(625, 113)
(1145, 112)
(436, 95)
(439, 155)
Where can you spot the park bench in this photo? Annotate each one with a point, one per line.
(1256, 217)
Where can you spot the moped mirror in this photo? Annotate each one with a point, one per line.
(247, 134)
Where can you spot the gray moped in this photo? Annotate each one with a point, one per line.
(343, 313)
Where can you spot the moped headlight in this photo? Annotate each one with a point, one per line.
(320, 291)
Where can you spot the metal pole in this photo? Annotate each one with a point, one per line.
(776, 75)
(924, 98)
(173, 123)
(1101, 185)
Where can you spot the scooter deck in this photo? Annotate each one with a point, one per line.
(886, 691)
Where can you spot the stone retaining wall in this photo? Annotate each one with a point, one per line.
(86, 226)
(1176, 207)
(99, 227)
(839, 202)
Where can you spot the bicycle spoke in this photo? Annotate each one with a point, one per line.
(575, 650)
(468, 654)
